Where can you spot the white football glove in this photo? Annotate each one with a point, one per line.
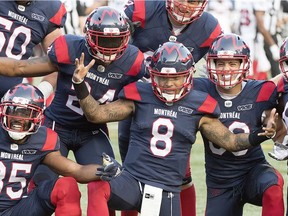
(280, 150)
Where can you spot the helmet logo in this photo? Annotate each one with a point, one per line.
(114, 31)
(20, 100)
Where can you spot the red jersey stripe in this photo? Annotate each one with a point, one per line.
(139, 12)
(57, 18)
(61, 50)
(131, 92)
(134, 70)
(266, 91)
(217, 31)
(209, 105)
(51, 140)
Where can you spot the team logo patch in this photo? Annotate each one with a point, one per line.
(228, 104)
(14, 147)
(101, 68)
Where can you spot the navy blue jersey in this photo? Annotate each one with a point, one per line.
(240, 115)
(156, 29)
(18, 163)
(161, 139)
(104, 84)
(21, 28)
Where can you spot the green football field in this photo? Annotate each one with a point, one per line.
(198, 173)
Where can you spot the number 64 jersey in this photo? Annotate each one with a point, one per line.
(162, 135)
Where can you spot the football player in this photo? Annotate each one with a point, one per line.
(238, 177)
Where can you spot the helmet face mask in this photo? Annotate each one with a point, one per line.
(185, 12)
(283, 61)
(232, 49)
(171, 70)
(22, 111)
(107, 34)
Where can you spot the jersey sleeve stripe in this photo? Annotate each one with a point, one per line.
(266, 91)
(136, 67)
(61, 50)
(208, 106)
(51, 140)
(217, 31)
(60, 17)
(131, 92)
(139, 12)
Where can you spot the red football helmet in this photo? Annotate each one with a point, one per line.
(21, 110)
(226, 47)
(171, 60)
(107, 33)
(283, 61)
(187, 11)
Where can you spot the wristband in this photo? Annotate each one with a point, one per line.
(81, 90)
(256, 140)
(77, 82)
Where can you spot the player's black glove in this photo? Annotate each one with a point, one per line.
(110, 168)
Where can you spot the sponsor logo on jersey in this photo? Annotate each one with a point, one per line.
(115, 75)
(245, 107)
(149, 196)
(29, 152)
(37, 17)
(185, 110)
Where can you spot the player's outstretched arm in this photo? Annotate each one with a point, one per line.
(217, 133)
(66, 167)
(26, 68)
